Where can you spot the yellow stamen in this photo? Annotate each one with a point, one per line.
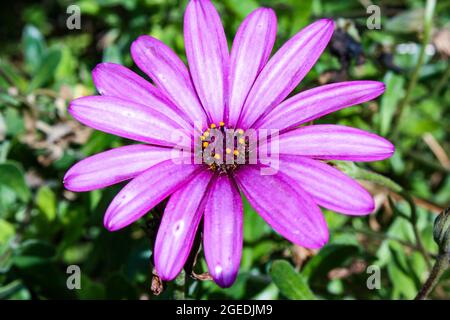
(205, 144)
(228, 150)
(202, 138)
(241, 140)
(213, 125)
(217, 156)
(206, 133)
(221, 123)
(240, 131)
(236, 153)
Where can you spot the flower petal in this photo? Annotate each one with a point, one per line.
(146, 191)
(115, 80)
(315, 103)
(328, 186)
(169, 73)
(222, 238)
(208, 57)
(179, 225)
(289, 210)
(113, 166)
(285, 70)
(334, 142)
(251, 49)
(128, 119)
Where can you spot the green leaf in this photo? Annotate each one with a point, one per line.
(35, 263)
(329, 257)
(254, 226)
(390, 99)
(46, 70)
(12, 177)
(15, 291)
(90, 289)
(33, 47)
(292, 285)
(401, 274)
(33, 253)
(351, 169)
(14, 122)
(406, 21)
(301, 11)
(241, 8)
(13, 75)
(6, 231)
(46, 202)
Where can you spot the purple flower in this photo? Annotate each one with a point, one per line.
(243, 90)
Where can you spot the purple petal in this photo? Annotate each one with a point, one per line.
(251, 49)
(113, 166)
(128, 119)
(207, 54)
(169, 73)
(289, 210)
(315, 103)
(179, 225)
(146, 191)
(328, 187)
(115, 80)
(334, 142)
(285, 70)
(222, 238)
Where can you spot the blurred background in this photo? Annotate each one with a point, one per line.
(44, 229)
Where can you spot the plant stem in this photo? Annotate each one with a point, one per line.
(427, 27)
(380, 236)
(413, 221)
(441, 265)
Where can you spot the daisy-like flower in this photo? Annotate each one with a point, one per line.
(227, 92)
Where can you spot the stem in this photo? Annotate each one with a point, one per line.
(440, 266)
(380, 236)
(428, 22)
(413, 221)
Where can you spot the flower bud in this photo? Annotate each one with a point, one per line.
(441, 231)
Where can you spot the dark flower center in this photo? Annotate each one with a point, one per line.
(224, 149)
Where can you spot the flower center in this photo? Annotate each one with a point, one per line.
(224, 149)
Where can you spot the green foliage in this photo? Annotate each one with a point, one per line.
(44, 228)
(292, 285)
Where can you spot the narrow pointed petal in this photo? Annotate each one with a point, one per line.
(335, 142)
(115, 80)
(113, 166)
(289, 210)
(222, 238)
(208, 57)
(315, 103)
(329, 187)
(169, 73)
(179, 225)
(146, 191)
(128, 119)
(251, 49)
(285, 70)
